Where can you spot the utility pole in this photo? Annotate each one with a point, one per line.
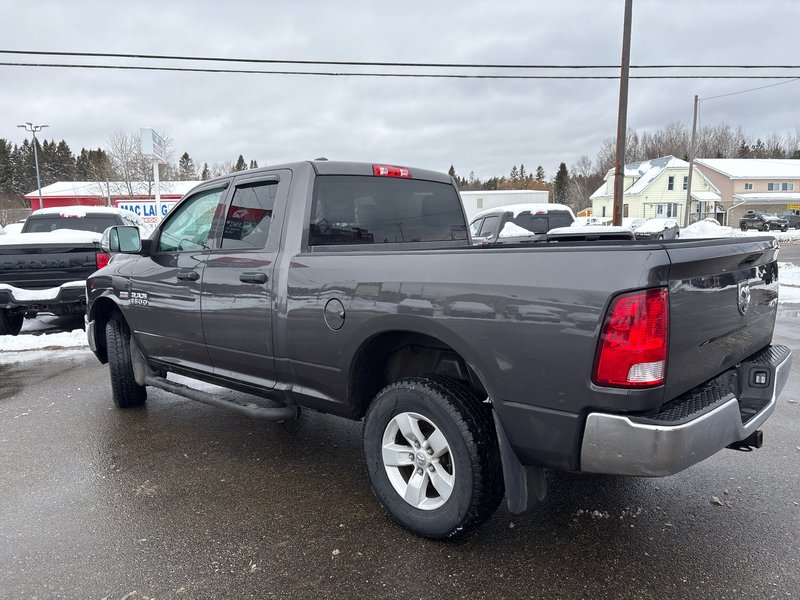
(622, 118)
(33, 129)
(691, 165)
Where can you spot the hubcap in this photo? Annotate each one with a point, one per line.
(418, 461)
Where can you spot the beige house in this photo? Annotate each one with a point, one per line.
(657, 189)
(768, 185)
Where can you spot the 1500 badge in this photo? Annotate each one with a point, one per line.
(139, 298)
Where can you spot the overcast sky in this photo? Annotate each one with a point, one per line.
(483, 126)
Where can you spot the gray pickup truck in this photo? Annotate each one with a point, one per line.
(353, 289)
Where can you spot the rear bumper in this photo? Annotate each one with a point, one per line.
(65, 299)
(690, 428)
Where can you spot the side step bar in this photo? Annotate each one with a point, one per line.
(145, 375)
(265, 413)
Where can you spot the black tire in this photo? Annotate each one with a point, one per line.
(10, 323)
(473, 456)
(660, 237)
(125, 392)
(765, 227)
(744, 226)
(785, 228)
(797, 225)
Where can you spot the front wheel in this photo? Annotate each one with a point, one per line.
(744, 226)
(785, 228)
(10, 323)
(125, 392)
(432, 457)
(797, 225)
(765, 227)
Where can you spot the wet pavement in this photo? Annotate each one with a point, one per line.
(181, 500)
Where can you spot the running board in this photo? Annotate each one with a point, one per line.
(249, 409)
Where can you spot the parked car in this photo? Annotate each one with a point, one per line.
(633, 223)
(658, 229)
(352, 289)
(793, 220)
(518, 223)
(762, 221)
(44, 268)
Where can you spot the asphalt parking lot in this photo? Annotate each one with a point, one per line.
(181, 500)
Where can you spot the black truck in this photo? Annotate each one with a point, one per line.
(353, 289)
(44, 268)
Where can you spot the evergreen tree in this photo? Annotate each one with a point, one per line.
(24, 180)
(253, 164)
(540, 174)
(743, 151)
(560, 184)
(186, 169)
(514, 175)
(93, 165)
(6, 167)
(240, 165)
(206, 174)
(522, 173)
(62, 162)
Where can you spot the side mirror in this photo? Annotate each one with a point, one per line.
(121, 238)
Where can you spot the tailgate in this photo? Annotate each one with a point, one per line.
(723, 303)
(46, 266)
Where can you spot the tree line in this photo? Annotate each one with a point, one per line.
(120, 162)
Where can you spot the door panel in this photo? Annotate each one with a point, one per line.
(237, 283)
(165, 286)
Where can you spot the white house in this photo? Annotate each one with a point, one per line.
(657, 189)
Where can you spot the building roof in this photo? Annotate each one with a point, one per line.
(102, 189)
(706, 196)
(754, 168)
(769, 197)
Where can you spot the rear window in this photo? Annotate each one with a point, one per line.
(383, 210)
(542, 223)
(96, 223)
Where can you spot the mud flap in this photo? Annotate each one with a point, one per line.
(525, 484)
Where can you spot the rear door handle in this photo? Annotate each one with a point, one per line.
(257, 277)
(188, 275)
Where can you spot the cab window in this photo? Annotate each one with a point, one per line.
(250, 216)
(187, 228)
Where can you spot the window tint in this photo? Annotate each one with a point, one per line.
(96, 223)
(377, 210)
(542, 223)
(489, 226)
(250, 216)
(189, 224)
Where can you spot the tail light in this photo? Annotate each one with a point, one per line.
(390, 171)
(102, 260)
(633, 344)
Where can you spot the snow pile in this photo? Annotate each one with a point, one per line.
(789, 280)
(513, 230)
(18, 343)
(706, 229)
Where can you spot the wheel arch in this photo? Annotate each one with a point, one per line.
(390, 355)
(101, 312)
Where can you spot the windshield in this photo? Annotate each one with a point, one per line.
(96, 223)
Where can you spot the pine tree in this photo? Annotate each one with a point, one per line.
(560, 184)
(253, 164)
(206, 174)
(514, 175)
(93, 165)
(186, 168)
(540, 174)
(6, 167)
(241, 164)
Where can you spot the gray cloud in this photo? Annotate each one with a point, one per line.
(481, 126)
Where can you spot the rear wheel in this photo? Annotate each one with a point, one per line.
(744, 226)
(10, 323)
(797, 225)
(785, 228)
(765, 227)
(432, 457)
(126, 393)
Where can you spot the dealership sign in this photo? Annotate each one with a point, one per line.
(147, 209)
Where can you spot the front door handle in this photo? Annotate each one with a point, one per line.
(188, 275)
(257, 277)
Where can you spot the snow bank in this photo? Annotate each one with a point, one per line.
(706, 229)
(16, 343)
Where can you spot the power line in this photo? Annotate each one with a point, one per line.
(375, 63)
(358, 74)
(762, 87)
